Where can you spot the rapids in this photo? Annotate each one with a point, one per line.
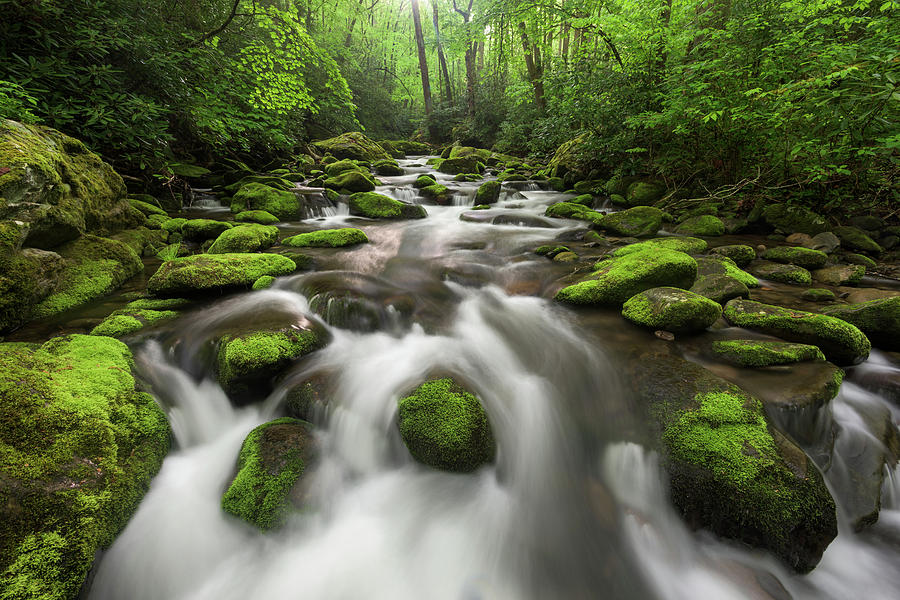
(575, 506)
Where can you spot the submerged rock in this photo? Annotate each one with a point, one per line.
(445, 427)
(215, 273)
(80, 446)
(841, 342)
(729, 471)
(273, 458)
(878, 319)
(671, 309)
(618, 279)
(758, 353)
(379, 206)
(327, 238)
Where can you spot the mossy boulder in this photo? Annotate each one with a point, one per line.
(584, 200)
(705, 225)
(93, 267)
(445, 427)
(463, 164)
(199, 230)
(557, 184)
(131, 320)
(790, 274)
(570, 210)
(256, 216)
(27, 276)
(379, 206)
(741, 254)
(795, 255)
(640, 221)
(283, 204)
(423, 181)
(617, 279)
(720, 288)
(550, 250)
(353, 146)
(439, 194)
(818, 295)
(671, 309)
(721, 265)
(264, 282)
(351, 182)
(58, 187)
(387, 167)
(789, 219)
(570, 161)
(841, 342)
(481, 154)
(327, 238)
(247, 362)
(278, 183)
(878, 319)
(840, 274)
(342, 166)
(854, 238)
(215, 273)
(272, 460)
(729, 471)
(488, 193)
(644, 193)
(250, 237)
(860, 259)
(147, 208)
(688, 245)
(759, 353)
(79, 447)
(173, 225)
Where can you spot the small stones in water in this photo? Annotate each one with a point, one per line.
(667, 336)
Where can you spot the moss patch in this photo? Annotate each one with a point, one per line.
(795, 255)
(741, 254)
(129, 320)
(327, 238)
(379, 206)
(688, 245)
(705, 225)
(284, 204)
(878, 319)
(250, 237)
(215, 273)
(488, 193)
(256, 216)
(671, 309)
(640, 221)
(571, 210)
(755, 353)
(204, 229)
(790, 274)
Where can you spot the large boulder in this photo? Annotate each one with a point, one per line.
(841, 342)
(463, 164)
(79, 447)
(273, 458)
(794, 219)
(643, 193)
(878, 319)
(244, 238)
(26, 276)
(488, 193)
(840, 274)
(688, 245)
(617, 279)
(327, 238)
(570, 161)
(730, 472)
(200, 230)
(351, 182)
(353, 145)
(741, 254)
(790, 274)
(854, 238)
(445, 427)
(572, 210)
(58, 187)
(796, 255)
(379, 206)
(283, 204)
(215, 273)
(705, 225)
(671, 309)
(640, 221)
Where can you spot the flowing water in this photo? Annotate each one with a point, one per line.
(574, 507)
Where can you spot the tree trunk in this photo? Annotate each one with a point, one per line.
(533, 64)
(471, 75)
(423, 61)
(442, 60)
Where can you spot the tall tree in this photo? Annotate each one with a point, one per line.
(423, 60)
(442, 60)
(471, 75)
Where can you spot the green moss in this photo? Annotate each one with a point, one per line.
(204, 229)
(550, 251)
(688, 245)
(174, 225)
(129, 320)
(618, 279)
(462, 164)
(878, 319)
(802, 257)
(671, 309)
(790, 274)
(488, 192)
(351, 182)
(246, 358)
(445, 427)
(387, 167)
(277, 183)
(157, 303)
(342, 166)
(353, 145)
(741, 254)
(557, 184)
(78, 447)
(818, 295)
(640, 221)
(147, 208)
(249, 237)
(436, 193)
(584, 200)
(424, 181)
(95, 267)
(215, 272)
(705, 225)
(264, 282)
(256, 216)
(644, 193)
(841, 342)
(327, 238)
(755, 353)
(854, 238)
(378, 206)
(861, 259)
(570, 210)
(284, 204)
(794, 219)
(273, 457)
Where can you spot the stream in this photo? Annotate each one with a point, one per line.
(575, 505)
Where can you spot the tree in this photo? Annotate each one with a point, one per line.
(423, 60)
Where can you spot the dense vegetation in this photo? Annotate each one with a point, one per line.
(724, 97)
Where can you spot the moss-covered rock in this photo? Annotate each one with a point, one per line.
(705, 225)
(758, 353)
(128, 320)
(840, 274)
(618, 279)
(264, 282)
(278, 183)
(147, 208)
(250, 237)
(439, 194)
(640, 221)
(741, 254)
(283, 204)
(462, 164)
(720, 288)
(794, 219)
(58, 187)
(570, 161)
(257, 216)
(342, 166)
(199, 230)
(173, 225)
(93, 267)
(445, 427)
(488, 193)
(162, 304)
(353, 146)
(387, 167)
(584, 200)
(556, 184)
(841, 342)
(854, 238)
(481, 154)
(550, 251)
(188, 171)
(878, 319)
(818, 295)
(379, 206)
(671, 309)
(272, 460)
(327, 238)
(790, 274)
(215, 273)
(248, 362)
(688, 245)
(720, 265)
(424, 181)
(796, 255)
(570, 210)
(860, 259)
(351, 182)
(79, 447)
(643, 193)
